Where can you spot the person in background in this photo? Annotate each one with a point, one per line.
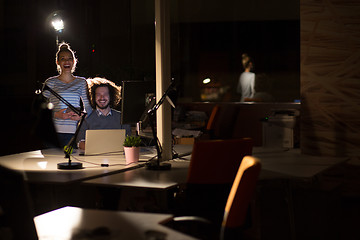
(104, 97)
(246, 84)
(72, 88)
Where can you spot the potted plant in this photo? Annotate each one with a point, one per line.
(132, 149)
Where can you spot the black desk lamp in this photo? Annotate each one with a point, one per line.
(68, 148)
(157, 164)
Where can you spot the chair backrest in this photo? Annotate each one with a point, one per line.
(16, 216)
(216, 161)
(224, 122)
(212, 118)
(241, 192)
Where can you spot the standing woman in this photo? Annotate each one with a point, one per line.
(246, 84)
(71, 88)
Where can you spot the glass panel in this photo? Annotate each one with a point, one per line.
(209, 38)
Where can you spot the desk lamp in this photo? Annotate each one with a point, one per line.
(157, 164)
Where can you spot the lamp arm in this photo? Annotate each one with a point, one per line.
(158, 104)
(58, 96)
(151, 113)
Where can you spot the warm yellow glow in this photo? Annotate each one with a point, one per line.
(58, 222)
(42, 165)
(206, 80)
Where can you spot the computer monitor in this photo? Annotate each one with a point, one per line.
(136, 95)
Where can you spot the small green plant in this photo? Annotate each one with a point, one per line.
(132, 141)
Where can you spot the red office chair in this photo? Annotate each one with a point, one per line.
(216, 161)
(212, 118)
(212, 170)
(208, 132)
(236, 208)
(240, 196)
(224, 122)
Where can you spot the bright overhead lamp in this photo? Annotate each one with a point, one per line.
(58, 24)
(206, 80)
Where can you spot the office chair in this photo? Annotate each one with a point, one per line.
(223, 124)
(220, 123)
(236, 209)
(213, 115)
(212, 170)
(216, 161)
(240, 196)
(208, 132)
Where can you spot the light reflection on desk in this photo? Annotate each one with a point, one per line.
(76, 223)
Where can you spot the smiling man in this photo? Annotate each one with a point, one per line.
(104, 97)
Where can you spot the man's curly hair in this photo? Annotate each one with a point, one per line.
(114, 90)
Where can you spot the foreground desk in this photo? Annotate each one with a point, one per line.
(76, 223)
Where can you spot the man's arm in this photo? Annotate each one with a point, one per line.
(80, 139)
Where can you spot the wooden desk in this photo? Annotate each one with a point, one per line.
(41, 166)
(142, 189)
(288, 169)
(290, 163)
(144, 178)
(76, 223)
(51, 188)
(276, 163)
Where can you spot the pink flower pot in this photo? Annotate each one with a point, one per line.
(131, 154)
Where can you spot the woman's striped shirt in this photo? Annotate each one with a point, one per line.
(71, 92)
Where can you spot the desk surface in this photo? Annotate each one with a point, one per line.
(276, 163)
(291, 163)
(76, 223)
(144, 178)
(41, 165)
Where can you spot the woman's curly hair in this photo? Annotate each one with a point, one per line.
(114, 90)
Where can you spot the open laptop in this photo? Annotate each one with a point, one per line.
(102, 141)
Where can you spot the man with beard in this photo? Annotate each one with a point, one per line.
(104, 97)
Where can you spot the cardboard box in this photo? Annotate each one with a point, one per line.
(184, 140)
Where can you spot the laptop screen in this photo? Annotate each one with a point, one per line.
(102, 141)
